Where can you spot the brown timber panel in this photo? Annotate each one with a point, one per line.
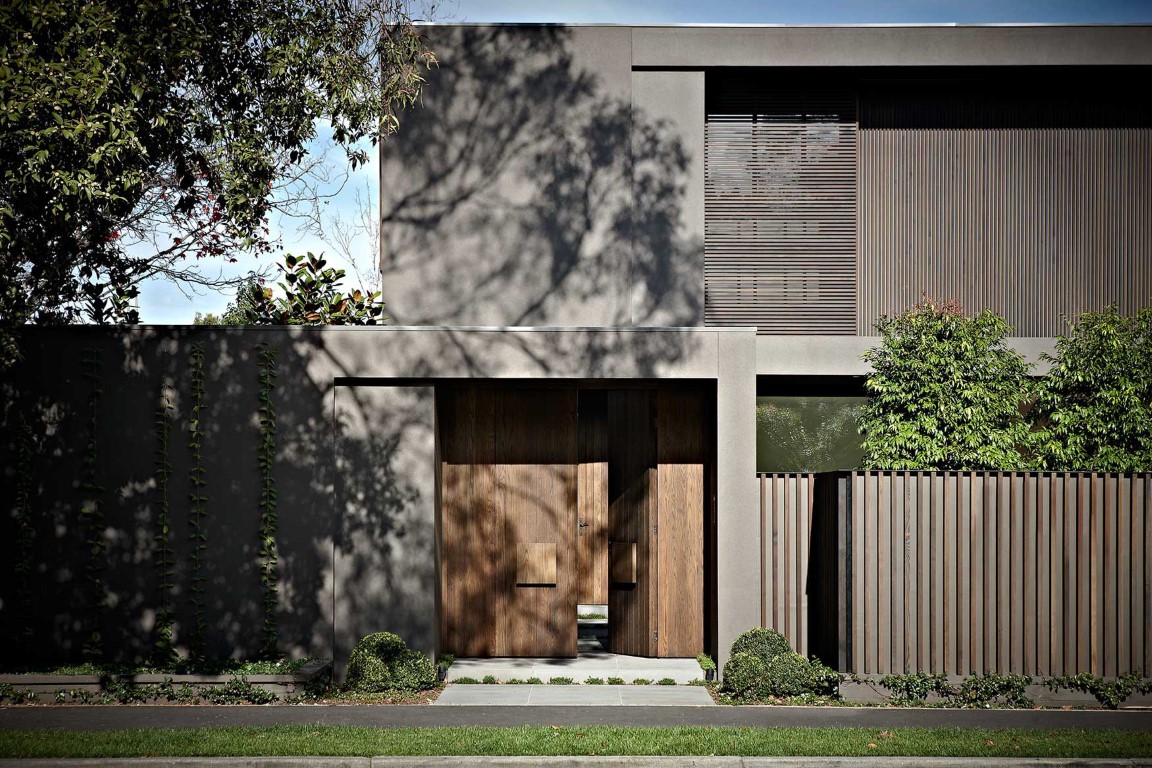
(536, 462)
(963, 190)
(592, 499)
(1042, 573)
(632, 492)
(508, 468)
(780, 207)
(682, 458)
(786, 518)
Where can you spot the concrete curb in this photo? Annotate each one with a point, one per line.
(582, 762)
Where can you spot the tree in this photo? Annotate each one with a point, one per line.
(946, 393)
(127, 118)
(1095, 405)
(311, 294)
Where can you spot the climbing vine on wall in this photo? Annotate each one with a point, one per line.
(199, 501)
(22, 511)
(163, 651)
(92, 515)
(269, 569)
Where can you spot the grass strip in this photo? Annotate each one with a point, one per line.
(308, 740)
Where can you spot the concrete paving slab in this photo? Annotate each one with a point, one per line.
(575, 696)
(593, 664)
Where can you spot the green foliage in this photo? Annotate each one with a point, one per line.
(916, 687)
(641, 681)
(665, 681)
(534, 681)
(311, 294)
(764, 643)
(163, 651)
(593, 681)
(825, 680)
(790, 674)
(489, 680)
(946, 393)
(466, 681)
(514, 681)
(616, 681)
(746, 675)
(560, 681)
(237, 691)
(382, 662)
(237, 311)
(269, 523)
(1095, 405)
(174, 125)
(706, 662)
(10, 693)
(982, 691)
(445, 661)
(1110, 693)
(198, 500)
(92, 514)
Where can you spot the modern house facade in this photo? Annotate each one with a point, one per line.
(599, 246)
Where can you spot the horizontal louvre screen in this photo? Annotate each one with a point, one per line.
(780, 208)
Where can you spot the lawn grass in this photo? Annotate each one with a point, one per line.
(304, 740)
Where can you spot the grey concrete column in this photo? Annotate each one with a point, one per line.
(737, 494)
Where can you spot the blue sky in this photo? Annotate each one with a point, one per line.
(165, 303)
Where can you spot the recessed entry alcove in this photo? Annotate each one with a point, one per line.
(554, 495)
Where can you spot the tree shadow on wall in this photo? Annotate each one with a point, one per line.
(524, 193)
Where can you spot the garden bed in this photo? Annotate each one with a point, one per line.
(113, 686)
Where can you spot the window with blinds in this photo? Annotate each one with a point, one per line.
(780, 206)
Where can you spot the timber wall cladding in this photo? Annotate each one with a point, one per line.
(1040, 574)
(592, 499)
(509, 474)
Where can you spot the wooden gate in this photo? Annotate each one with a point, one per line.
(552, 496)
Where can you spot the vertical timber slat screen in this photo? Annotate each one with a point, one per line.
(780, 208)
(960, 572)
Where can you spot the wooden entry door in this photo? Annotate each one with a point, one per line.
(658, 492)
(508, 522)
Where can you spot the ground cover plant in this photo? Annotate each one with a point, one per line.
(306, 740)
(176, 667)
(762, 665)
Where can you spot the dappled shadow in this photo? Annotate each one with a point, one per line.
(525, 191)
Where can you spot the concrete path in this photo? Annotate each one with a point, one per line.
(584, 762)
(81, 717)
(590, 663)
(576, 695)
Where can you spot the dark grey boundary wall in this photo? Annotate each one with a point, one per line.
(355, 472)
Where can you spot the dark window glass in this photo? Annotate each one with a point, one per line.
(808, 434)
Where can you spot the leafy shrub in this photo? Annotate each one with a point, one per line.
(765, 644)
(916, 687)
(616, 681)
(445, 660)
(745, 675)
(534, 681)
(946, 393)
(982, 691)
(466, 681)
(790, 674)
(382, 662)
(489, 680)
(514, 681)
(665, 681)
(825, 680)
(706, 662)
(560, 681)
(594, 681)
(1110, 693)
(1095, 404)
(641, 681)
(237, 691)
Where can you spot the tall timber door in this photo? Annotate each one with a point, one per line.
(508, 523)
(657, 488)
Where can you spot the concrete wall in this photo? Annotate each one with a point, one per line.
(355, 472)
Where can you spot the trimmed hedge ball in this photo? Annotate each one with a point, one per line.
(790, 674)
(383, 662)
(745, 675)
(767, 644)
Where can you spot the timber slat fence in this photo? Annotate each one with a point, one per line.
(960, 572)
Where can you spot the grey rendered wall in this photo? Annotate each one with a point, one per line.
(533, 187)
(355, 471)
